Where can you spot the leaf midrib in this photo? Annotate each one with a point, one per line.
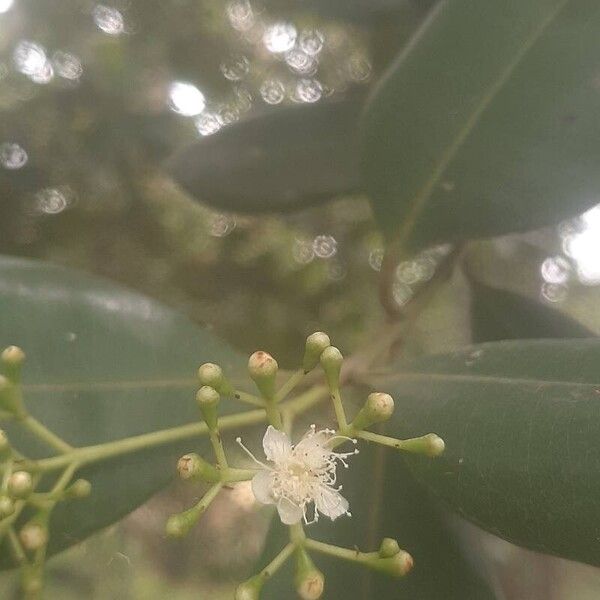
(108, 385)
(484, 379)
(448, 155)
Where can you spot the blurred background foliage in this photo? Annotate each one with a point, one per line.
(97, 101)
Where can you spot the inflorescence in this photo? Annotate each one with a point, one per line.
(20, 480)
(300, 479)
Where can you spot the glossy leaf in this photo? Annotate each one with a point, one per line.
(103, 363)
(285, 158)
(488, 122)
(521, 422)
(385, 501)
(501, 315)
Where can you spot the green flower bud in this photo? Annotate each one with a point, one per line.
(208, 399)
(33, 536)
(12, 359)
(379, 407)
(180, 524)
(431, 445)
(250, 589)
(212, 375)
(7, 507)
(262, 368)
(397, 565)
(331, 361)
(436, 445)
(192, 467)
(20, 484)
(80, 488)
(176, 527)
(389, 547)
(315, 344)
(310, 582)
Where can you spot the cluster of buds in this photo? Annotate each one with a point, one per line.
(299, 479)
(27, 541)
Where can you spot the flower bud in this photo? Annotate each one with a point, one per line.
(389, 547)
(12, 358)
(180, 524)
(262, 368)
(208, 399)
(192, 467)
(311, 586)
(20, 484)
(397, 565)
(436, 445)
(431, 445)
(212, 375)
(379, 407)
(33, 536)
(315, 344)
(309, 581)
(7, 507)
(250, 589)
(176, 526)
(331, 361)
(80, 488)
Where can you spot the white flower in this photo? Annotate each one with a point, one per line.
(301, 475)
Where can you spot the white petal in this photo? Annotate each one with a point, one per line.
(331, 503)
(276, 444)
(289, 513)
(262, 487)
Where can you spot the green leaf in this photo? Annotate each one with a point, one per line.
(488, 122)
(385, 501)
(286, 158)
(521, 422)
(501, 315)
(102, 363)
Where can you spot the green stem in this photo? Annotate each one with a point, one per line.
(277, 562)
(206, 501)
(234, 475)
(217, 444)
(273, 414)
(15, 547)
(91, 454)
(343, 553)
(64, 480)
(289, 385)
(7, 522)
(249, 398)
(99, 452)
(297, 535)
(44, 434)
(338, 407)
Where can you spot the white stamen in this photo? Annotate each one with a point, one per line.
(258, 462)
(302, 475)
